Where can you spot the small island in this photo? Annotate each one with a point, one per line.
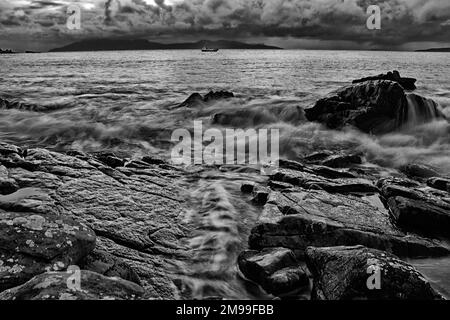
(6, 51)
(435, 50)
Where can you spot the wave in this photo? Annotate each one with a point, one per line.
(18, 105)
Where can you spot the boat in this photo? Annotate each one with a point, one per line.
(206, 49)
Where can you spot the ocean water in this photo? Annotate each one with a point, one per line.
(127, 102)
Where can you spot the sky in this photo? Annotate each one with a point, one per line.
(309, 24)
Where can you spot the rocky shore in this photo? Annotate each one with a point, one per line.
(329, 221)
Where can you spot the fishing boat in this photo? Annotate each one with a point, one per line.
(206, 49)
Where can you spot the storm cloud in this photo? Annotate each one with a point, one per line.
(403, 21)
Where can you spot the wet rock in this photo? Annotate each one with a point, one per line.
(287, 280)
(196, 99)
(65, 286)
(32, 244)
(420, 216)
(104, 263)
(193, 100)
(260, 195)
(309, 180)
(7, 185)
(318, 157)
(342, 161)
(299, 218)
(439, 183)
(110, 159)
(414, 207)
(217, 95)
(275, 269)
(372, 106)
(419, 170)
(153, 160)
(248, 187)
(136, 213)
(406, 83)
(344, 273)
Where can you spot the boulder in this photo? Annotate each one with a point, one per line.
(66, 286)
(35, 243)
(346, 273)
(373, 107)
(275, 269)
(406, 83)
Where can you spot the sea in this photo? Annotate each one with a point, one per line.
(127, 102)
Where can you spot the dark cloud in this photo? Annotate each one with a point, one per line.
(403, 21)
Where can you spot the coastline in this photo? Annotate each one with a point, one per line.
(326, 199)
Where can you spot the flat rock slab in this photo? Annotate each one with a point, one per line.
(74, 285)
(32, 244)
(343, 273)
(135, 210)
(310, 180)
(300, 218)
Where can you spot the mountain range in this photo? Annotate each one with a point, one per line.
(142, 44)
(435, 50)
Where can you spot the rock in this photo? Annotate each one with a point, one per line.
(104, 263)
(153, 160)
(406, 83)
(193, 100)
(110, 159)
(439, 183)
(299, 218)
(7, 185)
(421, 110)
(276, 270)
(196, 99)
(318, 157)
(414, 207)
(342, 161)
(287, 280)
(343, 273)
(217, 95)
(420, 217)
(62, 286)
(136, 213)
(248, 187)
(260, 195)
(32, 244)
(373, 106)
(309, 180)
(419, 170)
(258, 265)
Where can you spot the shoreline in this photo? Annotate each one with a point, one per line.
(327, 205)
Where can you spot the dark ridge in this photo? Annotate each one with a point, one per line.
(142, 44)
(435, 50)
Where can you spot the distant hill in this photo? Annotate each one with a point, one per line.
(435, 50)
(142, 44)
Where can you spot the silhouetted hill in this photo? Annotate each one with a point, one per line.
(142, 44)
(435, 50)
